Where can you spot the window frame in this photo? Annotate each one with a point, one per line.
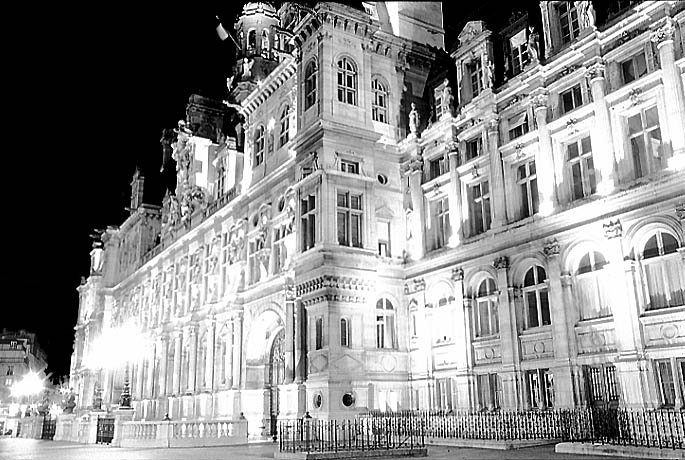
(308, 221)
(584, 162)
(379, 103)
(576, 99)
(528, 188)
(519, 127)
(347, 81)
(385, 325)
(345, 332)
(482, 201)
(440, 217)
(284, 122)
(634, 63)
(545, 388)
(645, 162)
(490, 302)
(568, 19)
(349, 213)
(310, 84)
(538, 288)
(259, 144)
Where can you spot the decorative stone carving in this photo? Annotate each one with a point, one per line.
(414, 120)
(447, 96)
(290, 292)
(518, 148)
(457, 274)
(533, 45)
(613, 229)
(663, 33)
(586, 14)
(595, 70)
(571, 126)
(551, 248)
(501, 263)
(489, 70)
(236, 242)
(247, 68)
(539, 101)
(680, 211)
(635, 96)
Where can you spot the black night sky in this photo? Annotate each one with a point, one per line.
(87, 93)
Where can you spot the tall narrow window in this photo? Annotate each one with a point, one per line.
(344, 332)
(441, 222)
(634, 68)
(518, 125)
(255, 270)
(347, 81)
(527, 181)
(220, 179)
(540, 388)
(439, 105)
(310, 76)
(318, 333)
(666, 382)
(349, 209)
(535, 298)
(486, 314)
(308, 221)
(383, 233)
(663, 271)
(583, 182)
(518, 52)
(385, 324)
(645, 140)
(259, 145)
(479, 197)
(489, 391)
(602, 385)
(251, 41)
(571, 99)
(285, 127)
(590, 286)
(475, 68)
(474, 147)
(568, 19)
(278, 253)
(379, 106)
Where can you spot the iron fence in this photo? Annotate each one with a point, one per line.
(311, 435)
(629, 427)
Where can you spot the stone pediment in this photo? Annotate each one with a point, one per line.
(471, 29)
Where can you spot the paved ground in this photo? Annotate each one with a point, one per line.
(34, 449)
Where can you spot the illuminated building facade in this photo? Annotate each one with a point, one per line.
(394, 227)
(20, 354)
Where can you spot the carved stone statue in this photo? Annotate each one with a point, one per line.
(586, 13)
(447, 96)
(414, 120)
(489, 74)
(533, 45)
(247, 67)
(70, 402)
(229, 83)
(96, 258)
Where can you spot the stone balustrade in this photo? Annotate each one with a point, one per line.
(183, 433)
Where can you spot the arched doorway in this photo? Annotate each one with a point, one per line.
(276, 377)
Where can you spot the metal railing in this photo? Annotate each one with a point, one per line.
(311, 435)
(628, 427)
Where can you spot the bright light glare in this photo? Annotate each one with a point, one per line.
(116, 347)
(31, 384)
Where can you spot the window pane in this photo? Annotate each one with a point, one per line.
(356, 202)
(586, 145)
(356, 230)
(651, 117)
(534, 193)
(651, 249)
(640, 65)
(532, 309)
(342, 228)
(670, 244)
(544, 306)
(529, 280)
(572, 150)
(634, 124)
(342, 200)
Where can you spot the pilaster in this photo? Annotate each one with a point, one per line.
(544, 161)
(603, 145)
(497, 198)
(454, 199)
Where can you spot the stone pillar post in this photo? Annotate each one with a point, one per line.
(603, 144)
(544, 162)
(150, 373)
(300, 335)
(632, 369)
(237, 348)
(289, 333)
(497, 199)
(464, 377)
(192, 357)
(164, 357)
(563, 381)
(454, 199)
(209, 359)
(417, 223)
(176, 377)
(673, 91)
(508, 332)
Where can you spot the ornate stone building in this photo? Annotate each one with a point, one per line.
(370, 231)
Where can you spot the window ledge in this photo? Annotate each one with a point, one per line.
(536, 330)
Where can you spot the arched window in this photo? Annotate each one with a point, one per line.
(259, 145)
(251, 40)
(385, 324)
(379, 106)
(590, 282)
(347, 81)
(344, 332)
(486, 315)
(285, 127)
(310, 76)
(663, 270)
(536, 298)
(265, 43)
(443, 314)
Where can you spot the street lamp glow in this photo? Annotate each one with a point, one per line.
(31, 384)
(115, 347)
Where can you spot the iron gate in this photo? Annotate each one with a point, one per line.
(105, 432)
(49, 426)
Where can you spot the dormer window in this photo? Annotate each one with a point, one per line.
(475, 69)
(259, 146)
(568, 19)
(518, 52)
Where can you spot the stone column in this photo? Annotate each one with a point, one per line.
(289, 333)
(150, 373)
(497, 203)
(603, 144)
(632, 369)
(176, 377)
(164, 357)
(192, 357)
(673, 91)
(462, 322)
(237, 348)
(508, 333)
(544, 162)
(228, 368)
(454, 199)
(300, 335)
(209, 359)
(417, 223)
(563, 381)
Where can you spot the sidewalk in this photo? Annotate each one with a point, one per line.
(34, 449)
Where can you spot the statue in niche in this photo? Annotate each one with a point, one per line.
(290, 211)
(489, 74)
(247, 67)
(262, 232)
(533, 45)
(447, 96)
(414, 120)
(586, 14)
(96, 259)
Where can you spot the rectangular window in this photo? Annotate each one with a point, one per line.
(568, 19)
(540, 388)
(645, 141)
(634, 68)
(308, 221)
(349, 210)
(475, 69)
(528, 184)
(383, 232)
(479, 201)
(436, 168)
(666, 382)
(220, 179)
(254, 263)
(344, 332)
(14, 345)
(439, 109)
(602, 385)
(571, 99)
(474, 148)
(441, 222)
(518, 52)
(318, 335)
(518, 125)
(489, 391)
(278, 252)
(583, 180)
(351, 167)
